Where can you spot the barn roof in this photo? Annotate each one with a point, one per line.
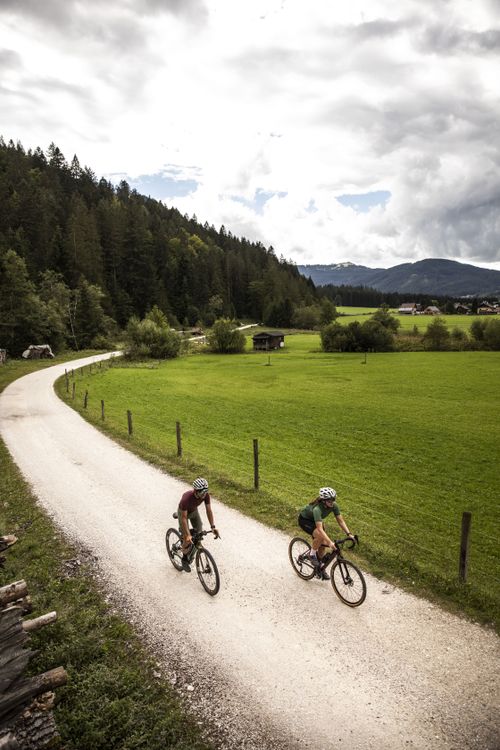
(267, 334)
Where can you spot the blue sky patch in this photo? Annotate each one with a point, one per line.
(363, 202)
(161, 186)
(259, 200)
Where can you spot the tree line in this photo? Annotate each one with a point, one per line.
(79, 258)
(364, 296)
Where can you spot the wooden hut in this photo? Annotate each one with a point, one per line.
(265, 341)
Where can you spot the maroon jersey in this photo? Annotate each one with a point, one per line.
(190, 502)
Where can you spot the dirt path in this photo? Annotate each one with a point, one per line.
(257, 660)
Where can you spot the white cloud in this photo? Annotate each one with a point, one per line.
(305, 102)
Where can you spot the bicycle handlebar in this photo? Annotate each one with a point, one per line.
(340, 542)
(200, 534)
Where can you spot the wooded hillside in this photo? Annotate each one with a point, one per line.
(79, 257)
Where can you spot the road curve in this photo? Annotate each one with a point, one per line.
(272, 661)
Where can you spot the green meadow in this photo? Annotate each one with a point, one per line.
(409, 440)
(408, 322)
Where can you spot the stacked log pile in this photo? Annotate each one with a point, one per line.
(26, 720)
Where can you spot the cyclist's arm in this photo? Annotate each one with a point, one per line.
(210, 516)
(343, 526)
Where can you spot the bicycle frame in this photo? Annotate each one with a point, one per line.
(334, 554)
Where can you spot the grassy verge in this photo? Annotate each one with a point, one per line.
(409, 440)
(113, 699)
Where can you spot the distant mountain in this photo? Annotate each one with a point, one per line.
(431, 276)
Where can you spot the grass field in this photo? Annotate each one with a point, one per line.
(113, 700)
(409, 440)
(356, 310)
(408, 322)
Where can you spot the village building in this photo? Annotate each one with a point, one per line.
(432, 310)
(486, 308)
(409, 308)
(265, 341)
(461, 309)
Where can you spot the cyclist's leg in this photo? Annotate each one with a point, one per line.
(319, 538)
(309, 527)
(194, 519)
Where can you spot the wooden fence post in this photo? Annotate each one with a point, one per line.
(102, 410)
(129, 420)
(179, 439)
(85, 399)
(67, 382)
(73, 394)
(464, 545)
(256, 463)
(81, 370)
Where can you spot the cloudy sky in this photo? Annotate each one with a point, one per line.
(365, 131)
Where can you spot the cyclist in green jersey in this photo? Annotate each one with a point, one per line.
(311, 520)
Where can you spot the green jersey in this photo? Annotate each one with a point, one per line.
(318, 511)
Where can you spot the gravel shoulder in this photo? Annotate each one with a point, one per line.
(272, 661)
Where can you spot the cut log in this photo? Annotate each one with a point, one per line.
(9, 742)
(17, 698)
(13, 592)
(25, 604)
(35, 729)
(7, 541)
(39, 622)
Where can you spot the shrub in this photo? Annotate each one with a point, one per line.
(101, 342)
(459, 339)
(492, 335)
(307, 318)
(437, 335)
(477, 329)
(385, 319)
(335, 338)
(356, 337)
(224, 338)
(151, 337)
(375, 337)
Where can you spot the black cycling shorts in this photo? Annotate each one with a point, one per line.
(306, 525)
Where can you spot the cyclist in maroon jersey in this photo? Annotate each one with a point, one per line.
(188, 514)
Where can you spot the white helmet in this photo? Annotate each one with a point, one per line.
(200, 484)
(327, 493)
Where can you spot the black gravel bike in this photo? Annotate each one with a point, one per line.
(206, 567)
(347, 580)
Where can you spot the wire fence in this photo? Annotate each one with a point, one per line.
(244, 459)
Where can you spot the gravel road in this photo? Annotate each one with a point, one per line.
(272, 661)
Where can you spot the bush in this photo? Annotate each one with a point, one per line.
(477, 329)
(224, 338)
(370, 336)
(376, 336)
(334, 338)
(101, 342)
(492, 335)
(437, 336)
(387, 320)
(147, 338)
(307, 318)
(459, 339)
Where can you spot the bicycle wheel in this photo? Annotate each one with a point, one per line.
(207, 571)
(298, 552)
(174, 543)
(348, 582)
